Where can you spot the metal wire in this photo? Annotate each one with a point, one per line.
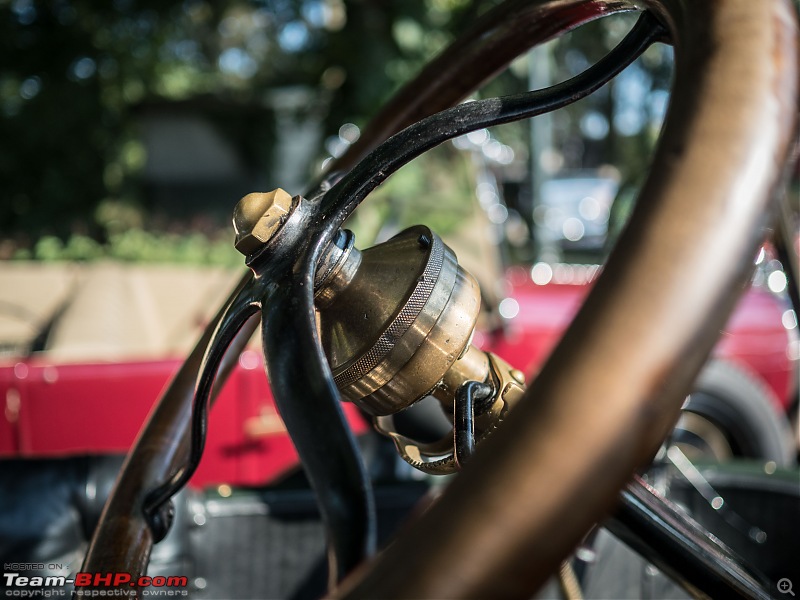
(471, 396)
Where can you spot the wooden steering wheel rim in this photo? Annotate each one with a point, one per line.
(614, 386)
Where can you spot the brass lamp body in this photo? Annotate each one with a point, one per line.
(396, 322)
(405, 317)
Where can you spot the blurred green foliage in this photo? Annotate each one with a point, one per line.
(137, 245)
(434, 185)
(74, 73)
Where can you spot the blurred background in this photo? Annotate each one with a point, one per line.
(130, 130)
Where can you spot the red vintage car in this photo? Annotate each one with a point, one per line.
(58, 408)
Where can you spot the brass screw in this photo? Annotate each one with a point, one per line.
(257, 217)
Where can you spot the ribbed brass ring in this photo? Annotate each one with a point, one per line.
(402, 321)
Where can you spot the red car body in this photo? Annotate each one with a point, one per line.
(56, 410)
(754, 338)
(73, 409)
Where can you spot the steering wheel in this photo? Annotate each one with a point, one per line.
(612, 389)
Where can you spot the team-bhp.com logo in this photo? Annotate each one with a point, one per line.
(94, 585)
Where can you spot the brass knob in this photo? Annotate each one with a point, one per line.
(258, 217)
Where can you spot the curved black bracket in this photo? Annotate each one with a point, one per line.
(305, 396)
(244, 305)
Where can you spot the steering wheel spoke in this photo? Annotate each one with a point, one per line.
(309, 404)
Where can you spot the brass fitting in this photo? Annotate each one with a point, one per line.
(396, 323)
(258, 217)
